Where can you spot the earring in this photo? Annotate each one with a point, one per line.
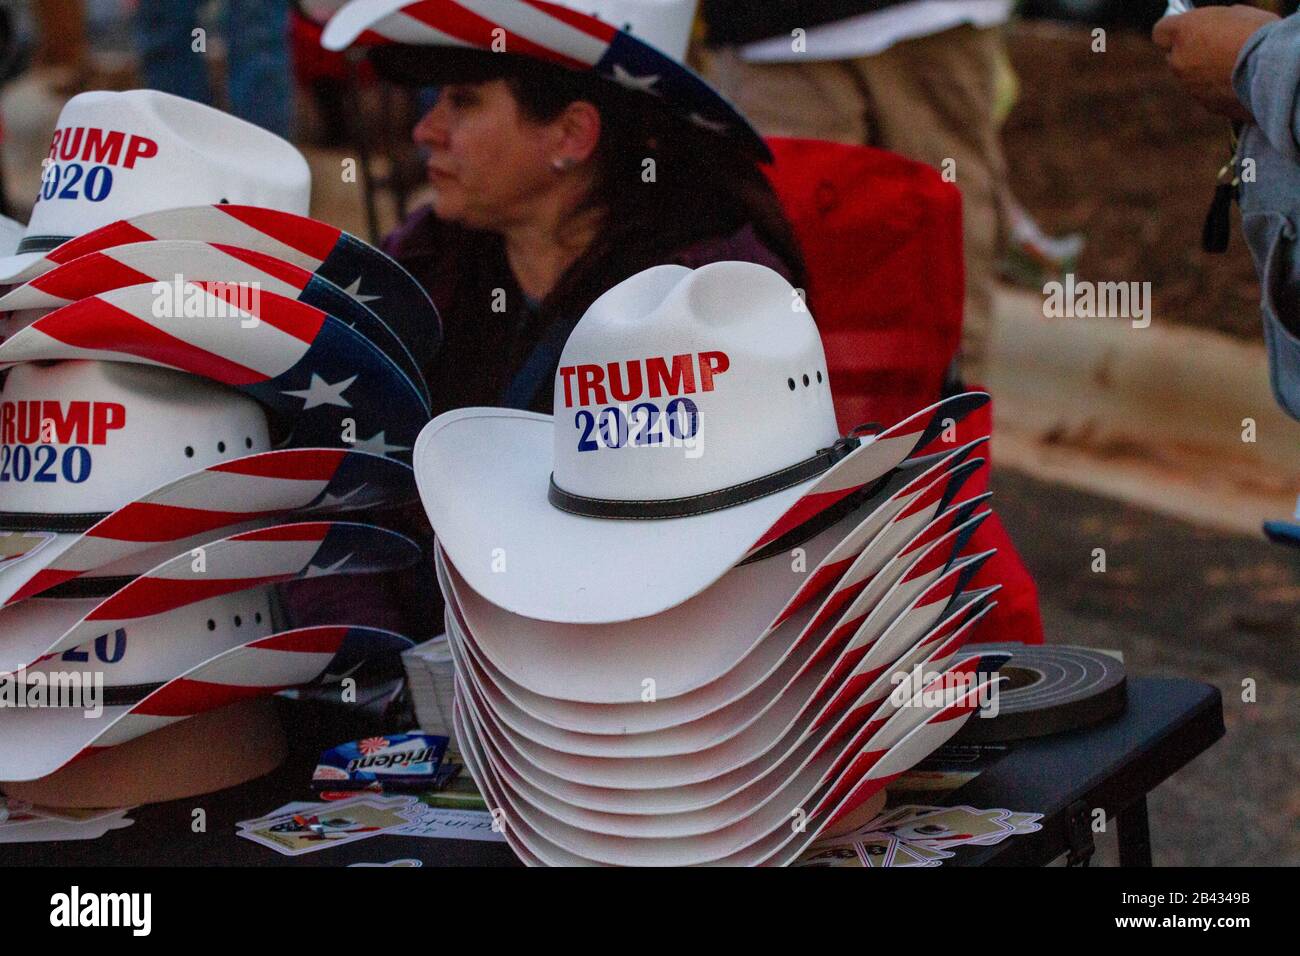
(561, 164)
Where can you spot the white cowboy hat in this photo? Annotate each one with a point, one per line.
(109, 468)
(799, 716)
(935, 649)
(252, 559)
(37, 742)
(312, 371)
(604, 666)
(359, 269)
(115, 155)
(177, 261)
(638, 44)
(757, 838)
(691, 736)
(713, 437)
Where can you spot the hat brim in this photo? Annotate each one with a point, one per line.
(353, 265)
(546, 32)
(483, 476)
(207, 503)
(21, 266)
(741, 761)
(300, 362)
(37, 742)
(751, 840)
(237, 563)
(797, 779)
(933, 650)
(779, 685)
(163, 260)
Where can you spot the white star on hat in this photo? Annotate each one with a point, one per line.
(333, 501)
(642, 84)
(315, 572)
(378, 445)
(321, 392)
(354, 290)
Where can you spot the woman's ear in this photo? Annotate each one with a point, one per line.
(579, 127)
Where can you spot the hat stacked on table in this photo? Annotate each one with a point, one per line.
(199, 385)
(677, 607)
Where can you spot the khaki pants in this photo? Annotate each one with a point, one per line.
(930, 99)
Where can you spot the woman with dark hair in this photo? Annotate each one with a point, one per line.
(555, 179)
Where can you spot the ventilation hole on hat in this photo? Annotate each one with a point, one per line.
(257, 618)
(819, 376)
(212, 625)
(239, 621)
(248, 442)
(221, 447)
(790, 382)
(806, 381)
(189, 451)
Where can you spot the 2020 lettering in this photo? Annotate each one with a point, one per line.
(643, 425)
(45, 463)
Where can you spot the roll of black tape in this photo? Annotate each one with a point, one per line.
(1050, 689)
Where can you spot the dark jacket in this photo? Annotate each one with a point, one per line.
(498, 349)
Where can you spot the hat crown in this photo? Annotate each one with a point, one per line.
(664, 24)
(681, 382)
(154, 648)
(115, 155)
(85, 437)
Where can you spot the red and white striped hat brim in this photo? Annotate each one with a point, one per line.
(206, 504)
(37, 742)
(248, 560)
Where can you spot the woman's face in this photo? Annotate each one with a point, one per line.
(487, 162)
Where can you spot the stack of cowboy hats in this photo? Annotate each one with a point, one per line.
(678, 607)
(199, 384)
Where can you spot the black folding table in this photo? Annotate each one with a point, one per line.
(1065, 777)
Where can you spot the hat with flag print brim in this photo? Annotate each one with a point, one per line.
(489, 507)
(115, 154)
(800, 715)
(744, 626)
(358, 268)
(602, 658)
(198, 507)
(800, 686)
(37, 742)
(128, 662)
(934, 650)
(33, 629)
(178, 261)
(324, 381)
(796, 779)
(762, 832)
(565, 34)
(699, 731)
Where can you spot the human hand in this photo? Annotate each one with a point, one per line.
(1202, 46)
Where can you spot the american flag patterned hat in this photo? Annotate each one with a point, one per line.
(638, 44)
(108, 468)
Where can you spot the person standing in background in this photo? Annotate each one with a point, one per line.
(1244, 64)
(918, 77)
(174, 60)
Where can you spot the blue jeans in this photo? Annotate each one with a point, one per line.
(256, 31)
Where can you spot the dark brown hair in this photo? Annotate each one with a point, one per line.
(703, 185)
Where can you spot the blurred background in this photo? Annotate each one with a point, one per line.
(1132, 440)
